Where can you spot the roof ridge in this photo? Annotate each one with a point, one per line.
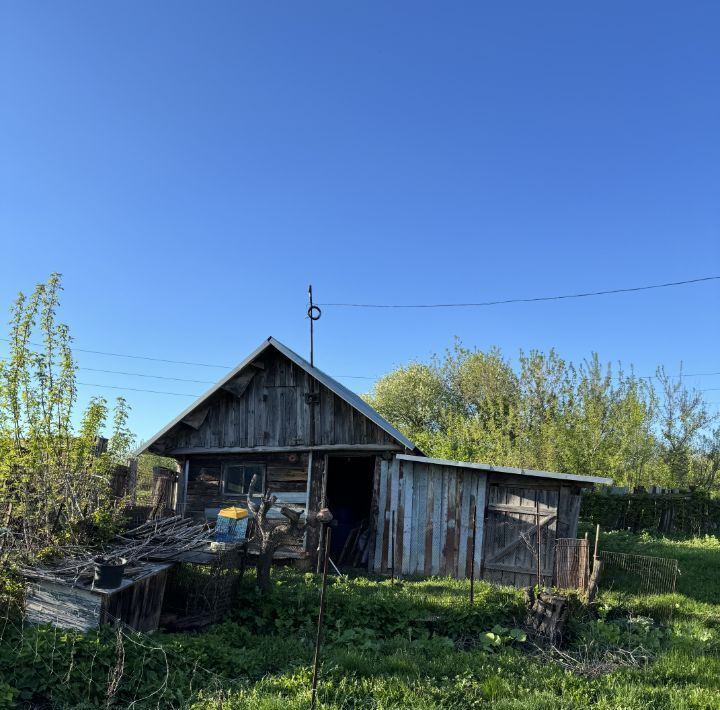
(352, 398)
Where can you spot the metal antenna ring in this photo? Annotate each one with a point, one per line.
(314, 313)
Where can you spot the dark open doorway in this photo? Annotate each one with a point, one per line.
(349, 496)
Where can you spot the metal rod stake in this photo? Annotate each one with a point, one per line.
(539, 542)
(472, 558)
(392, 550)
(321, 615)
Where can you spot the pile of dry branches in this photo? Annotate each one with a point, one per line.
(592, 661)
(162, 539)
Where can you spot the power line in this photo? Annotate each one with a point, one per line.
(135, 357)
(172, 362)
(136, 389)
(154, 377)
(356, 377)
(188, 394)
(684, 374)
(523, 300)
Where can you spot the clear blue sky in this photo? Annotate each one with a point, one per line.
(190, 167)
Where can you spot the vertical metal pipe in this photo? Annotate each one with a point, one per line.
(539, 540)
(310, 314)
(392, 550)
(472, 553)
(321, 615)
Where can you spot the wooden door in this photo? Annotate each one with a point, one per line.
(510, 550)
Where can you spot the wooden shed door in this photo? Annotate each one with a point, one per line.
(511, 540)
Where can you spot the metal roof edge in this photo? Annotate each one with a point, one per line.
(508, 469)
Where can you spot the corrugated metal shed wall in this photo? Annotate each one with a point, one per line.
(433, 507)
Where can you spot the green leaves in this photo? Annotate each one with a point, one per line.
(53, 477)
(550, 414)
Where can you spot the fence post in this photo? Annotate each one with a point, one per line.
(539, 542)
(472, 554)
(596, 569)
(392, 550)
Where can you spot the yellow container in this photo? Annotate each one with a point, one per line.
(233, 513)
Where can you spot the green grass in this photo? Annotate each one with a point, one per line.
(414, 645)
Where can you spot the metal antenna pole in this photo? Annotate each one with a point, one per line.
(314, 314)
(312, 354)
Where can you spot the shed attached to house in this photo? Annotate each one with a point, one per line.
(312, 442)
(432, 515)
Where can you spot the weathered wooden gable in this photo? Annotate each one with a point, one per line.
(272, 403)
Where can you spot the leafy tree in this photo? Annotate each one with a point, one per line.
(684, 418)
(550, 414)
(54, 478)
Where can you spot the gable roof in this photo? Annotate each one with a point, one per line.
(573, 478)
(353, 399)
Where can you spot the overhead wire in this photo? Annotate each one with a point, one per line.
(535, 299)
(136, 389)
(212, 382)
(361, 305)
(188, 394)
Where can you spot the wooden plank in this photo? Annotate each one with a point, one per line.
(514, 569)
(250, 399)
(315, 464)
(465, 479)
(458, 523)
(428, 521)
(442, 542)
(420, 490)
(382, 522)
(451, 522)
(375, 530)
(513, 544)
(394, 538)
(292, 498)
(327, 433)
(514, 507)
(437, 522)
(301, 406)
(220, 450)
(480, 499)
(406, 472)
(515, 497)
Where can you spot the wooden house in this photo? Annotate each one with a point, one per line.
(313, 442)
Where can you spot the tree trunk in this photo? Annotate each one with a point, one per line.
(548, 615)
(264, 565)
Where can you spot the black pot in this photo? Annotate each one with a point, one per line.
(108, 575)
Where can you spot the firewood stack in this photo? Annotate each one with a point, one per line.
(547, 615)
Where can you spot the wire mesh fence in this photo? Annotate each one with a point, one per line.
(638, 574)
(647, 584)
(572, 568)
